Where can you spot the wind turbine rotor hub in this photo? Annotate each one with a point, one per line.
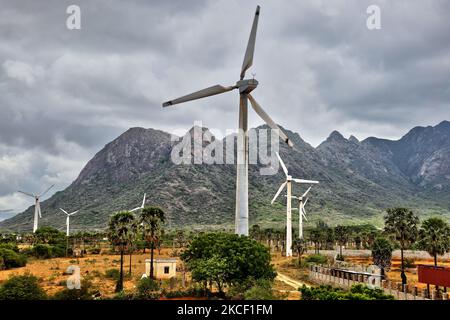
(247, 85)
(289, 178)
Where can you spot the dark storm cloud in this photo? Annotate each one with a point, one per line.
(64, 94)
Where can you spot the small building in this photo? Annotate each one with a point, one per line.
(162, 268)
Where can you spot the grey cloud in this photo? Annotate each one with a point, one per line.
(319, 68)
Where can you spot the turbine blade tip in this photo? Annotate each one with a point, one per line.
(167, 104)
(257, 9)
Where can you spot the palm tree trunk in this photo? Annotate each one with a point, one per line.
(120, 283)
(151, 260)
(403, 275)
(131, 253)
(435, 260)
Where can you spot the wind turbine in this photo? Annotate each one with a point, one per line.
(288, 185)
(301, 212)
(245, 86)
(68, 219)
(37, 206)
(142, 205)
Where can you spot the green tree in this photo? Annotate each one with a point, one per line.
(434, 237)
(151, 222)
(120, 229)
(315, 237)
(382, 253)
(342, 234)
(300, 246)
(49, 235)
(227, 259)
(401, 224)
(23, 287)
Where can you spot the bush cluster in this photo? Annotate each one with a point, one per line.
(357, 292)
(11, 258)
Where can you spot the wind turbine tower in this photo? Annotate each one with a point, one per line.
(37, 206)
(245, 86)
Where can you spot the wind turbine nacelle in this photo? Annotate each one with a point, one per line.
(289, 178)
(246, 85)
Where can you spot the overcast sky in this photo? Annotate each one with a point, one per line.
(65, 93)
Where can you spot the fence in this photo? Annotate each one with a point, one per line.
(346, 278)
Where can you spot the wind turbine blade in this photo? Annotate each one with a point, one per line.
(282, 164)
(259, 110)
(305, 181)
(306, 192)
(143, 201)
(248, 58)
(43, 193)
(64, 211)
(304, 215)
(71, 214)
(135, 209)
(39, 209)
(278, 192)
(211, 91)
(27, 194)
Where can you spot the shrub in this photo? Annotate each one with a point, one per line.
(409, 263)
(340, 257)
(47, 251)
(95, 251)
(317, 258)
(84, 293)
(147, 287)
(9, 246)
(112, 274)
(24, 287)
(261, 291)
(11, 259)
(357, 292)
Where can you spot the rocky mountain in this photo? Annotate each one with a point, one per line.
(358, 180)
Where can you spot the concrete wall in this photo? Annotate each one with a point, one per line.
(158, 269)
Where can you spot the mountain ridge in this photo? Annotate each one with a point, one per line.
(359, 179)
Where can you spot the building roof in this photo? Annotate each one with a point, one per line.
(171, 260)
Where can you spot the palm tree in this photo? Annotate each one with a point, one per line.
(300, 246)
(401, 224)
(382, 253)
(151, 221)
(315, 237)
(434, 237)
(132, 236)
(342, 234)
(120, 228)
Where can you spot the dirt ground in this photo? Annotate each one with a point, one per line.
(393, 273)
(51, 271)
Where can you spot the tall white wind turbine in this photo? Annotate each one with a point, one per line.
(142, 205)
(37, 206)
(301, 211)
(245, 86)
(288, 185)
(68, 220)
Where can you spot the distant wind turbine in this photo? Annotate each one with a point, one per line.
(37, 206)
(68, 220)
(301, 212)
(288, 185)
(142, 205)
(245, 86)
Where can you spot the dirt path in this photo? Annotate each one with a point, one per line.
(289, 281)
